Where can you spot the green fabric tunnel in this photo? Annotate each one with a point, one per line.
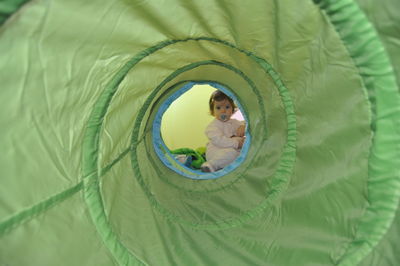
(81, 82)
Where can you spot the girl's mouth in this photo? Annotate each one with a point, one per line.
(223, 117)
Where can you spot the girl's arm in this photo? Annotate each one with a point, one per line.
(216, 137)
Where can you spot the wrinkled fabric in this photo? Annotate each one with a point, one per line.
(81, 83)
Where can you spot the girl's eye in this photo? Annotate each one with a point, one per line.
(218, 107)
(228, 107)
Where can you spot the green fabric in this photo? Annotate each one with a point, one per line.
(81, 83)
(383, 14)
(381, 191)
(8, 7)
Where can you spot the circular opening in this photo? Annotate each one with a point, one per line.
(195, 142)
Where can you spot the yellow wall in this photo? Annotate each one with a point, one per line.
(183, 124)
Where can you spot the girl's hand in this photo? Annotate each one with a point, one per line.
(241, 131)
(240, 141)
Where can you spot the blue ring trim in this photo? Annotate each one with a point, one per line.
(158, 141)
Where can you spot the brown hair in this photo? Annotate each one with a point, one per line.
(218, 96)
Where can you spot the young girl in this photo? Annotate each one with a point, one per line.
(226, 135)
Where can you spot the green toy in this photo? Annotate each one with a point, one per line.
(198, 155)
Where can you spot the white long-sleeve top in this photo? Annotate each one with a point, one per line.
(220, 133)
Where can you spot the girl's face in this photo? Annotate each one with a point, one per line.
(223, 110)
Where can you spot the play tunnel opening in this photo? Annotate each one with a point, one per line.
(199, 139)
